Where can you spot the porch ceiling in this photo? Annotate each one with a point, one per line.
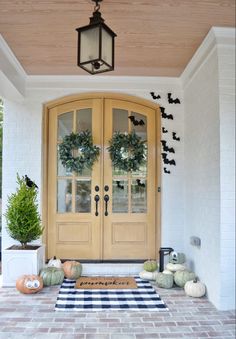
(154, 37)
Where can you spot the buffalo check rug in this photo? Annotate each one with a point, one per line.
(143, 298)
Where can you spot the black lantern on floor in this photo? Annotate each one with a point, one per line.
(96, 44)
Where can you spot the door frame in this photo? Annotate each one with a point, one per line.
(45, 137)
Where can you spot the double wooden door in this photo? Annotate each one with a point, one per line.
(82, 222)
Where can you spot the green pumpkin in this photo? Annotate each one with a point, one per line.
(52, 276)
(177, 258)
(181, 277)
(164, 280)
(150, 265)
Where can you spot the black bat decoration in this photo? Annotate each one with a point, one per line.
(165, 170)
(173, 101)
(175, 137)
(162, 109)
(155, 97)
(164, 155)
(119, 185)
(169, 162)
(140, 184)
(29, 182)
(166, 148)
(136, 122)
(164, 130)
(167, 116)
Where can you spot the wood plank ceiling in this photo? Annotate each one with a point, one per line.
(154, 37)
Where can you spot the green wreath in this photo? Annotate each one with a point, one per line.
(87, 153)
(127, 151)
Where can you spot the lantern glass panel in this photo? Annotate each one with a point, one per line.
(89, 44)
(106, 47)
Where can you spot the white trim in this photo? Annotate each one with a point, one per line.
(216, 36)
(11, 57)
(11, 68)
(94, 82)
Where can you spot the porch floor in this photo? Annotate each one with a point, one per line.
(33, 316)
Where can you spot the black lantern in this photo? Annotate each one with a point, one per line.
(96, 44)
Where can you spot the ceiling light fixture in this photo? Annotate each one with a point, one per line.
(96, 44)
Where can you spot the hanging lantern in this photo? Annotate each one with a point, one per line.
(96, 44)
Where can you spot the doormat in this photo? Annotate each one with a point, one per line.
(143, 298)
(111, 283)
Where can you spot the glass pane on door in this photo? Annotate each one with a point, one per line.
(64, 195)
(65, 125)
(120, 198)
(83, 196)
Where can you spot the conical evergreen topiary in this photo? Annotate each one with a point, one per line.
(23, 219)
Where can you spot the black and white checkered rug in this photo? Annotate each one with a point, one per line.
(143, 298)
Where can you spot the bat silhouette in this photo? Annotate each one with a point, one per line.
(165, 170)
(136, 122)
(173, 101)
(164, 155)
(119, 185)
(175, 137)
(155, 97)
(167, 116)
(164, 130)
(29, 182)
(169, 162)
(166, 148)
(162, 109)
(140, 184)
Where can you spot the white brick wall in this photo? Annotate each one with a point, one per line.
(226, 61)
(209, 129)
(202, 174)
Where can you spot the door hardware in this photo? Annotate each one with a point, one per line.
(96, 198)
(106, 188)
(106, 199)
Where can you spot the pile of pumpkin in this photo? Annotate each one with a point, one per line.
(175, 273)
(52, 274)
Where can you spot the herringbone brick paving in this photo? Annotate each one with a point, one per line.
(33, 316)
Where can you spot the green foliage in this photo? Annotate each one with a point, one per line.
(22, 216)
(127, 151)
(82, 144)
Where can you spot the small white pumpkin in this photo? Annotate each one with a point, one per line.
(167, 272)
(175, 267)
(195, 288)
(148, 275)
(54, 262)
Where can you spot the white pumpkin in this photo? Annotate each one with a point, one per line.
(167, 272)
(54, 262)
(195, 288)
(175, 267)
(148, 275)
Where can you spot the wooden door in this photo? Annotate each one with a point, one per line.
(128, 230)
(74, 232)
(129, 226)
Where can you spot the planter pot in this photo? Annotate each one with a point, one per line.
(17, 262)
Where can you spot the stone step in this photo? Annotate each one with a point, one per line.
(111, 269)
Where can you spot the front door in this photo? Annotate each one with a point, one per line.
(121, 225)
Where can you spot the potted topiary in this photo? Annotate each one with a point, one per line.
(23, 224)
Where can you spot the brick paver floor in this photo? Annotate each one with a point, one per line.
(33, 316)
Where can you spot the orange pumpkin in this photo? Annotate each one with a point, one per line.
(29, 284)
(72, 269)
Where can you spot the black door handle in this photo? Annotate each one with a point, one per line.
(96, 198)
(106, 199)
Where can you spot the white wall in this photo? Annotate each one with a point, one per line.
(209, 98)
(202, 174)
(226, 62)
(23, 142)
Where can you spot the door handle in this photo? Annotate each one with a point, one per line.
(96, 198)
(106, 199)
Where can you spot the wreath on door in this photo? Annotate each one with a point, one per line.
(77, 152)
(127, 151)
